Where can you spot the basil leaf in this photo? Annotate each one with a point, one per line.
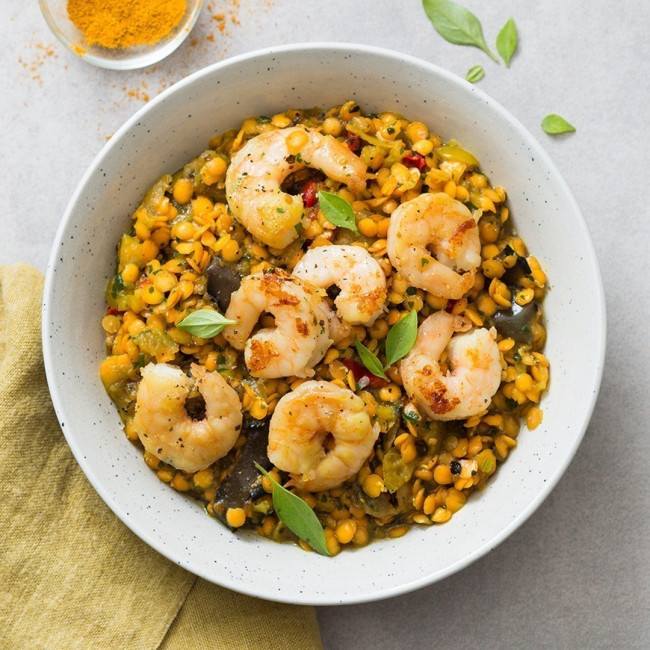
(507, 41)
(401, 338)
(298, 517)
(205, 323)
(456, 24)
(475, 74)
(554, 124)
(369, 360)
(337, 210)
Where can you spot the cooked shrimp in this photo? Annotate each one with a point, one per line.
(256, 172)
(169, 433)
(300, 337)
(474, 368)
(447, 227)
(339, 329)
(355, 272)
(304, 424)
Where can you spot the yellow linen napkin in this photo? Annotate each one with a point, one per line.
(72, 575)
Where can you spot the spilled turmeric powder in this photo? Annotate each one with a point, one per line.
(125, 23)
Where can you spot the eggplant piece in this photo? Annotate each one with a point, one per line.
(516, 322)
(295, 182)
(380, 506)
(222, 282)
(244, 482)
(519, 270)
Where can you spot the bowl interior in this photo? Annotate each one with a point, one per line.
(176, 127)
(128, 58)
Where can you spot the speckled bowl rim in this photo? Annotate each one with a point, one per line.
(588, 253)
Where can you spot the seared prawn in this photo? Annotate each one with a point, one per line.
(355, 272)
(301, 335)
(169, 433)
(447, 227)
(474, 368)
(258, 169)
(303, 423)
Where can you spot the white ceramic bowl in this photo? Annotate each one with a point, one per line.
(174, 128)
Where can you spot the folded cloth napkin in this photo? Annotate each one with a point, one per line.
(72, 575)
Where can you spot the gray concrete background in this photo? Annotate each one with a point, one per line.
(577, 574)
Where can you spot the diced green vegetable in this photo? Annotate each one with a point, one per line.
(120, 295)
(151, 200)
(432, 432)
(487, 466)
(375, 507)
(387, 416)
(456, 154)
(155, 342)
(396, 471)
(130, 252)
(395, 156)
(371, 139)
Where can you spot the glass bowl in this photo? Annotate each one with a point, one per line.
(125, 58)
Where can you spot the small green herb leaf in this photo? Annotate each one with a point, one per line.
(369, 360)
(140, 363)
(554, 124)
(263, 119)
(337, 210)
(205, 323)
(410, 416)
(117, 286)
(507, 41)
(401, 338)
(475, 74)
(298, 517)
(456, 24)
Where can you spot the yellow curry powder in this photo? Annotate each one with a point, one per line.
(123, 23)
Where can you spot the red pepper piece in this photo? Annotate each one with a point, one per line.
(354, 142)
(359, 371)
(310, 194)
(111, 311)
(414, 159)
(450, 305)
